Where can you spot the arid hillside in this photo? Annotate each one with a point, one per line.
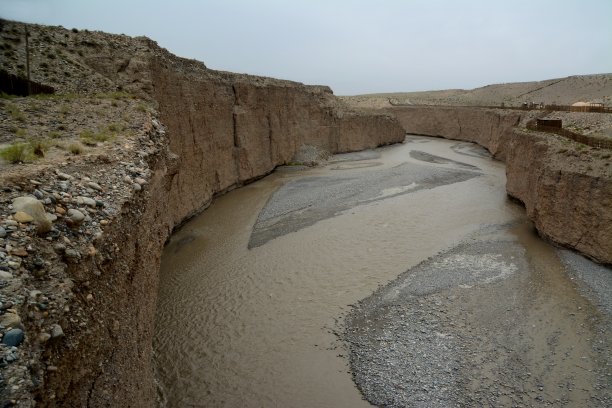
(560, 91)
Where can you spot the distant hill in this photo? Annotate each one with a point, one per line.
(561, 91)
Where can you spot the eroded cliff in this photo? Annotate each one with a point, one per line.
(566, 187)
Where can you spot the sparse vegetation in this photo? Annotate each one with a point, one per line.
(39, 146)
(15, 113)
(90, 138)
(19, 132)
(117, 95)
(54, 134)
(17, 153)
(116, 127)
(76, 148)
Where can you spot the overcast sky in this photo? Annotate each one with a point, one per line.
(358, 46)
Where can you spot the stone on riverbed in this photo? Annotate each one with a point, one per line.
(35, 209)
(13, 337)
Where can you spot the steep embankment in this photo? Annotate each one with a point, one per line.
(87, 308)
(566, 187)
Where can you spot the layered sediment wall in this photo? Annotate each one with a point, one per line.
(565, 187)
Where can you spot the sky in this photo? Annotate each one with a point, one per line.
(359, 46)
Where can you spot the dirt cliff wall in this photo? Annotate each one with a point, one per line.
(219, 131)
(228, 130)
(566, 189)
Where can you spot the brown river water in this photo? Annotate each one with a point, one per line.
(242, 327)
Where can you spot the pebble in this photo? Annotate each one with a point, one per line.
(10, 320)
(35, 294)
(60, 210)
(2, 232)
(137, 187)
(56, 331)
(90, 202)
(13, 337)
(72, 255)
(93, 185)
(64, 176)
(140, 180)
(44, 337)
(75, 217)
(19, 251)
(5, 275)
(23, 217)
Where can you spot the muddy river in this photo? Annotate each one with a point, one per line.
(403, 276)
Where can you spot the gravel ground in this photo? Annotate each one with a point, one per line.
(593, 280)
(491, 322)
(301, 203)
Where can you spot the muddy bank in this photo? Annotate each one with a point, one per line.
(566, 187)
(207, 132)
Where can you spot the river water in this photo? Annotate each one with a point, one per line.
(256, 327)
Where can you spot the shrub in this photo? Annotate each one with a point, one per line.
(54, 134)
(76, 148)
(91, 139)
(15, 113)
(16, 153)
(116, 127)
(117, 95)
(39, 146)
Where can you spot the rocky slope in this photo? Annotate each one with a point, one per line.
(566, 187)
(82, 296)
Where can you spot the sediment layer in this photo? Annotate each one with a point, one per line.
(566, 187)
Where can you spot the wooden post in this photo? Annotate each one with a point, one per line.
(27, 44)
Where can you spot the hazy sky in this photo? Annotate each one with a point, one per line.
(358, 46)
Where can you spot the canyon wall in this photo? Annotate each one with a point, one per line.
(215, 131)
(566, 189)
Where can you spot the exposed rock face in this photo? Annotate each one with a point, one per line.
(567, 194)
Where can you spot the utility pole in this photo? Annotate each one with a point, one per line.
(27, 43)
